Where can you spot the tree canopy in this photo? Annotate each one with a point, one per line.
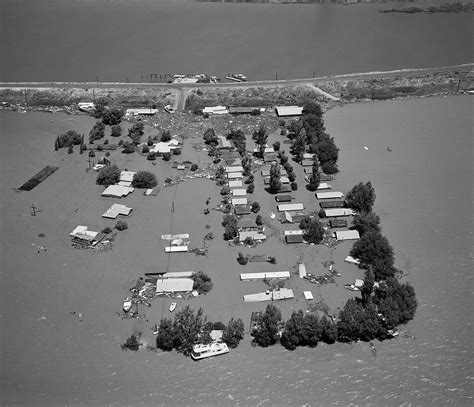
(313, 230)
(187, 328)
(108, 175)
(97, 132)
(365, 222)
(202, 282)
(136, 132)
(68, 138)
(275, 183)
(144, 179)
(112, 116)
(260, 137)
(233, 333)
(361, 197)
(210, 137)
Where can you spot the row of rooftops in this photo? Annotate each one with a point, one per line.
(281, 111)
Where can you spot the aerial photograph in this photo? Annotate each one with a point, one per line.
(236, 203)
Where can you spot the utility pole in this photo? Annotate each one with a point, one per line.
(459, 83)
(93, 93)
(33, 208)
(276, 76)
(89, 161)
(26, 98)
(97, 78)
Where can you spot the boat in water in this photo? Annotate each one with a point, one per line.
(87, 107)
(237, 77)
(172, 306)
(351, 287)
(201, 351)
(169, 109)
(127, 304)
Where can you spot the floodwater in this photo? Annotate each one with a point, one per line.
(50, 357)
(105, 40)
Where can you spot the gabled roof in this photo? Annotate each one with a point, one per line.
(347, 235)
(116, 210)
(289, 110)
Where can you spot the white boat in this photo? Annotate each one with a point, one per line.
(169, 109)
(127, 304)
(238, 77)
(351, 287)
(87, 107)
(202, 351)
(172, 306)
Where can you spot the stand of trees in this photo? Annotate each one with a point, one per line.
(361, 197)
(210, 137)
(313, 230)
(108, 175)
(268, 327)
(190, 328)
(71, 137)
(275, 174)
(136, 132)
(238, 138)
(144, 179)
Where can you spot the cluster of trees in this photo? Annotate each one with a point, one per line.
(136, 132)
(97, 132)
(275, 176)
(361, 197)
(210, 137)
(70, 138)
(309, 132)
(229, 222)
(238, 139)
(144, 179)
(109, 115)
(313, 230)
(315, 177)
(190, 328)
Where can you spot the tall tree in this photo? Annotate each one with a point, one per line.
(233, 333)
(361, 197)
(315, 177)
(260, 137)
(299, 146)
(210, 137)
(268, 326)
(187, 327)
(365, 222)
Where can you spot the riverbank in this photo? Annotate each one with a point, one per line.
(347, 88)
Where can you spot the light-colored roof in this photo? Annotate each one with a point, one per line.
(332, 212)
(224, 142)
(146, 111)
(281, 294)
(359, 283)
(329, 195)
(117, 191)
(78, 229)
(164, 146)
(177, 236)
(178, 274)
(176, 249)
(284, 180)
(239, 201)
(324, 185)
(288, 217)
(127, 176)
(293, 232)
(124, 184)
(289, 110)
(266, 150)
(234, 175)
(116, 210)
(283, 275)
(347, 235)
(290, 207)
(308, 295)
(215, 110)
(247, 233)
(236, 168)
(302, 269)
(239, 192)
(308, 156)
(172, 285)
(235, 184)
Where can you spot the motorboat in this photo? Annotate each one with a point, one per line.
(172, 306)
(201, 351)
(127, 304)
(351, 287)
(169, 109)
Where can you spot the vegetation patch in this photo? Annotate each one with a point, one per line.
(38, 178)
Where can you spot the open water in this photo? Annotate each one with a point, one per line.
(424, 198)
(112, 40)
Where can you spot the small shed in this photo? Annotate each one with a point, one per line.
(235, 184)
(174, 285)
(176, 249)
(308, 295)
(335, 212)
(239, 192)
(331, 204)
(307, 163)
(239, 201)
(302, 270)
(242, 210)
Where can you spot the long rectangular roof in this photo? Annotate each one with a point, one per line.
(235, 183)
(234, 175)
(283, 275)
(178, 274)
(172, 285)
(117, 191)
(281, 294)
(334, 212)
(347, 234)
(176, 249)
(127, 176)
(236, 168)
(239, 192)
(290, 207)
(329, 195)
(239, 201)
(289, 110)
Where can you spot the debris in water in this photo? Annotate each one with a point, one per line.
(80, 317)
(366, 148)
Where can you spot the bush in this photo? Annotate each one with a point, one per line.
(248, 241)
(259, 220)
(283, 159)
(276, 146)
(268, 326)
(107, 154)
(70, 149)
(166, 156)
(288, 167)
(361, 197)
(99, 147)
(144, 179)
(145, 149)
(176, 151)
(291, 176)
(313, 230)
(149, 142)
(165, 136)
(132, 343)
(165, 336)
(91, 154)
(151, 156)
(241, 259)
(194, 167)
(219, 326)
(294, 186)
(250, 188)
(272, 260)
(106, 230)
(202, 282)
(106, 141)
(281, 123)
(97, 132)
(249, 180)
(128, 150)
(112, 116)
(329, 167)
(68, 138)
(116, 131)
(121, 225)
(255, 207)
(108, 175)
(225, 190)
